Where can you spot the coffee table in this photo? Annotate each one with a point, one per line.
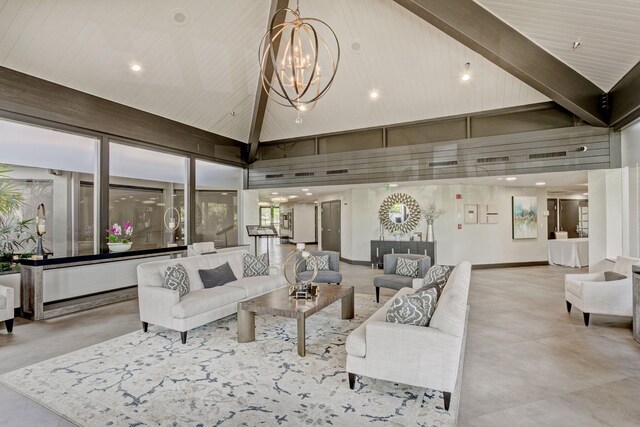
(279, 303)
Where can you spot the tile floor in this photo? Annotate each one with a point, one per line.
(527, 362)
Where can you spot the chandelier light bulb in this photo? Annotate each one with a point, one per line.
(298, 120)
(466, 76)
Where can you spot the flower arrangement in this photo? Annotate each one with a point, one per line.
(432, 213)
(120, 234)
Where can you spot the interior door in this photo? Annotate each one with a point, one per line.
(552, 219)
(569, 217)
(330, 213)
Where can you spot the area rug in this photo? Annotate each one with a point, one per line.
(151, 379)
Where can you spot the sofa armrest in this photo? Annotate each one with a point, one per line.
(156, 303)
(587, 277)
(7, 311)
(417, 283)
(614, 297)
(275, 270)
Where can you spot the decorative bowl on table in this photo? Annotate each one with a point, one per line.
(119, 247)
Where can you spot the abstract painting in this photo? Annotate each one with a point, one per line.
(525, 217)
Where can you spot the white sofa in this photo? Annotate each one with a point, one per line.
(6, 307)
(416, 355)
(590, 293)
(163, 307)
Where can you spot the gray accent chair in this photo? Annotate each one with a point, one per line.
(324, 276)
(394, 281)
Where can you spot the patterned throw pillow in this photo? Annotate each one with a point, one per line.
(436, 277)
(255, 265)
(177, 279)
(407, 267)
(321, 260)
(413, 309)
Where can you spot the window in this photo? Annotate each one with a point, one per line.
(270, 216)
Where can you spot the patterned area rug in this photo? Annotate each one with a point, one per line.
(142, 379)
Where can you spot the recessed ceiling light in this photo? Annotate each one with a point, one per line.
(292, 197)
(305, 189)
(541, 183)
(224, 194)
(148, 202)
(274, 193)
(374, 94)
(393, 185)
(136, 67)
(309, 194)
(511, 178)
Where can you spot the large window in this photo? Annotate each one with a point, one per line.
(49, 167)
(146, 188)
(270, 216)
(216, 215)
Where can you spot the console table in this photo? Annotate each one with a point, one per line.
(32, 281)
(379, 248)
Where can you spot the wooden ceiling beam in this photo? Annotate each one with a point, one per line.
(624, 99)
(260, 106)
(484, 33)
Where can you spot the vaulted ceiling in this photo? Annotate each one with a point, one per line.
(199, 57)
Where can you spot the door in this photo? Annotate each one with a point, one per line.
(552, 219)
(330, 214)
(569, 217)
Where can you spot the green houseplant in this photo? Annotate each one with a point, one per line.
(15, 234)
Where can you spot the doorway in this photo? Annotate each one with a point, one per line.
(330, 218)
(569, 217)
(552, 219)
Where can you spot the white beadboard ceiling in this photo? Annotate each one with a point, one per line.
(416, 67)
(195, 74)
(200, 72)
(609, 32)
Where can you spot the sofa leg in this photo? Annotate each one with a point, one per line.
(338, 283)
(568, 307)
(447, 399)
(145, 326)
(9, 324)
(183, 337)
(586, 319)
(352, 380)
(377, 294)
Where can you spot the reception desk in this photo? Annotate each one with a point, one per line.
(569, 252)
(56, 286)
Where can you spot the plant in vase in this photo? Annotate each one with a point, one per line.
(430, 214)
(119, 238)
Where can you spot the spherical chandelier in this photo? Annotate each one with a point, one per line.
(298, 59)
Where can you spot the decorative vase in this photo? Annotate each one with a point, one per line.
(119, 247)
(430, 230)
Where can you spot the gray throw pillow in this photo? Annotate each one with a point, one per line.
(255, 265)
(176, 279)
(321, 260)
(436, 277)
(413, 309)
(610, 276)
(217, 276)
(407, 267)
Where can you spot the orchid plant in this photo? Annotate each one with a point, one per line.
(120, 233)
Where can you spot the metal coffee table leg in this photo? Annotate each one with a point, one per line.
(302, 351)
(246, 325)
(348, 306)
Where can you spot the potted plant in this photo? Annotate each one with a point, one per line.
(430, 214)
(119, 238)
(14, 233)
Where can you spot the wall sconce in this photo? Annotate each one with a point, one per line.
(171, 223)
(41, 229)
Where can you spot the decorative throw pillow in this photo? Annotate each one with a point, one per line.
(413, 309)
(408, 267)
(321, 260)
(177, 279)
(610, 276)
(255, 265)
(217, 276)
(436, 277)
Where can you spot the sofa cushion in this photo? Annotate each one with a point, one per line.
(393, 281)
(436, 277)
(176, 279)
(204, 247)
(322, 262)
(574, 288)
(252, 286)
(204, 300)
(413, 309)
(255, 265)
(217, 276)
(610, 276)
(407, 267)
(323, 276)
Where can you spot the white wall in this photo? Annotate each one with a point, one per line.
(304, 223)
(479, 243)
(248, 214)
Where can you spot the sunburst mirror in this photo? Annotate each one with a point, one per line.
(399, 213)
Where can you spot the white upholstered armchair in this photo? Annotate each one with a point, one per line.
(6, 307)
(593, 294)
